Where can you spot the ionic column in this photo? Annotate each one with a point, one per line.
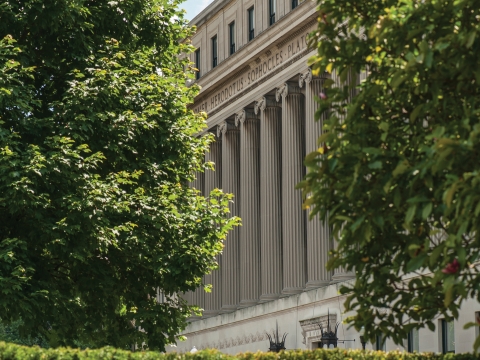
(319, 241)
(230, 271)
(270, 197)
(250, 270)
(197, 297)
(341, 274)
(213, 179)
(293, 224)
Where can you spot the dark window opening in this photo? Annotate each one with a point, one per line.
(231, 31)
(214, 51)
(413, 341)
(380, 344)
(271, 11)
(294, 4)
(251, 23)
(448, 337)
(197, 63)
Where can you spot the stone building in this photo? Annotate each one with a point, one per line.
(259, 96)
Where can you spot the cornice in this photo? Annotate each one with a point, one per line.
(259, 82)
(259, 46)
(294, 34)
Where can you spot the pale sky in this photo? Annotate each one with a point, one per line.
(194, 7)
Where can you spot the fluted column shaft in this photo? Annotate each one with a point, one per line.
(319, 241)
(230, 270)
(213, 179)
(293, 224)
(270, 197)
(341, 274)
(197, 297)
(250, 278)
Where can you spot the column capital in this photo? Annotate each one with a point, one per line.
(243, 115)
(260, 105)
(287, 89)
(305, 78)
(223, 127)
(240, 118)
(263, 103)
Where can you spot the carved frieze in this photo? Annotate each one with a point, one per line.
(273, 59)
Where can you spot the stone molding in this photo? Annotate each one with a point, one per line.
(238, 340)
(294, 34)
(311, 328)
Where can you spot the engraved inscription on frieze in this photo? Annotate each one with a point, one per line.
(275, 58)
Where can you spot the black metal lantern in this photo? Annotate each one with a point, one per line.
(275, 344)
(329, 337)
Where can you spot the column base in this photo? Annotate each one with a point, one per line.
(317, 283)
(269, 297)
(210, 313)
(292, 290)
(247, 303)
(342, 277)
(228, 309)
(194, 318)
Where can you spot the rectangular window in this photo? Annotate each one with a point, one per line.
(271, 11)
(214, 51)
(231, 36)
(380, 344)
(251, 23)
(413, 341)
(197, 63)
(448, 337)
(294, 4)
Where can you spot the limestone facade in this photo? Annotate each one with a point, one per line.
(259, 97)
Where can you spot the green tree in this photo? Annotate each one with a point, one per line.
(397, 172)
(11, 333)
(97, 147)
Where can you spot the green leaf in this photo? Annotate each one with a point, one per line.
(410, 213)
(402, 167)
(435, 254)
(450, 193)
(471, 39)
(414, 114)
(398, 79)
(416, 263)
(476, 344)
(427, 210)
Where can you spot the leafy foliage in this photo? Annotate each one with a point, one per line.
(11, 351)
(397, 174)
(10, 333)
(97, 147)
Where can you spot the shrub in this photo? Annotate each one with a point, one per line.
(10, 351)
